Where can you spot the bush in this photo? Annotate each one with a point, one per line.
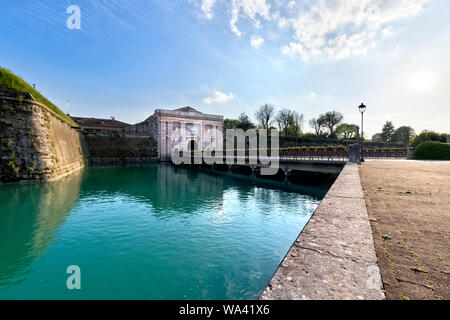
(428, 136)
(432, 150)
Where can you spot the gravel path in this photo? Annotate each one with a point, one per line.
(408, 203)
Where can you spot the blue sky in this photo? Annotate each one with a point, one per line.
(224, 57)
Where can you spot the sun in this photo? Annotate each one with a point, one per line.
(422, 81)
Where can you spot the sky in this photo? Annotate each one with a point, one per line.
(130, 57)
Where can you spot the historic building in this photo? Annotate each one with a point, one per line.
(100, 126)
(180, 129)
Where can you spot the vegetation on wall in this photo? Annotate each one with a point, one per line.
(8, 80)
(432, 150)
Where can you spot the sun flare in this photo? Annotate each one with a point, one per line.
(422, 81)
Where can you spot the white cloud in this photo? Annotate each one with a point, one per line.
(344, 28)
(250, 9)
(207, 8)
(256, 42)
(218, 97)
(292, 4)
(333, 29)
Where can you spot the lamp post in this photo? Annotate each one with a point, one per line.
(362, 108)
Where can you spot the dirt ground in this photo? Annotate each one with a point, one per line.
(409, 210)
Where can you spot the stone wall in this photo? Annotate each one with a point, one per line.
(116, 149)
(35, 142)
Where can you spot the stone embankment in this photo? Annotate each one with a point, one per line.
(334, 257)
(35, 142)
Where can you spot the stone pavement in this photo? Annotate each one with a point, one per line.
(334, 257)
(409, 209)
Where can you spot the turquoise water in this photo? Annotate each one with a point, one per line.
(154, 232)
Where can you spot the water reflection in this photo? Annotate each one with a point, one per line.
(156, 232)
(29, 218)
(162, 186)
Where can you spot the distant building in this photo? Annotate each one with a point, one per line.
(182, 129)
(448, 139)
(100, 126)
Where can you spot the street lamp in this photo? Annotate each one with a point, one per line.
(362, 108)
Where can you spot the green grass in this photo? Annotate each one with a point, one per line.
(9, 80)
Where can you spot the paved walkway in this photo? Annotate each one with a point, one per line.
(409, 208)
(334, 258)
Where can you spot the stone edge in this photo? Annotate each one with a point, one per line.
(322, 269)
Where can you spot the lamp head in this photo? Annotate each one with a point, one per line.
(362, 108)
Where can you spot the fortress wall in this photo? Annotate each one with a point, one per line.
(35, 142)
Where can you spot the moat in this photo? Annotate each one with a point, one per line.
(150, 232)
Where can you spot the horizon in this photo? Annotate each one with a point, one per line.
(209, 55)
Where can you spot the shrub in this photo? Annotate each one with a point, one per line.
(428, 136)
(432, 150)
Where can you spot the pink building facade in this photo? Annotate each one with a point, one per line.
(181, 129)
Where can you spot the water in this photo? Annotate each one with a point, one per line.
(154, 232)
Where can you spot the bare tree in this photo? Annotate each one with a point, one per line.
(295, 124)
(265, 114)
(317, 125)
(331, 120)
(289, 122)
(282, 119)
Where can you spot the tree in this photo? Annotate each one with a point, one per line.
(245, 123)
(428, 136)
(377, 138)
(317, 125)
(282, 120)
(347, 131)
(231, 123)
(331, 120)
(387, 134)
(404, 135)
(265, 114)
(289, 122)
(295, 124)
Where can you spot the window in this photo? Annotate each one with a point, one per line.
(191, 128)
(176, 126)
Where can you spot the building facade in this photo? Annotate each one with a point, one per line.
(181, 129)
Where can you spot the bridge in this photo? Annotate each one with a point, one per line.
(314, 160)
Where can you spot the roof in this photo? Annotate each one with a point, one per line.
(187, 109)
(99, 124)
(189, 112)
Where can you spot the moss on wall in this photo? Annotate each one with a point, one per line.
(36, 144)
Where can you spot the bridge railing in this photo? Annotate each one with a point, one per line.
(385, 153)
(326, 154)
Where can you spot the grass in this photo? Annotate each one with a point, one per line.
(9, 80)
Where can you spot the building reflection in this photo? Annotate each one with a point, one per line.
(164, 187)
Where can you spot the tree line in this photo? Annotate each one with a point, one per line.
(329, 125)
(406, 135)
(290, 123)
